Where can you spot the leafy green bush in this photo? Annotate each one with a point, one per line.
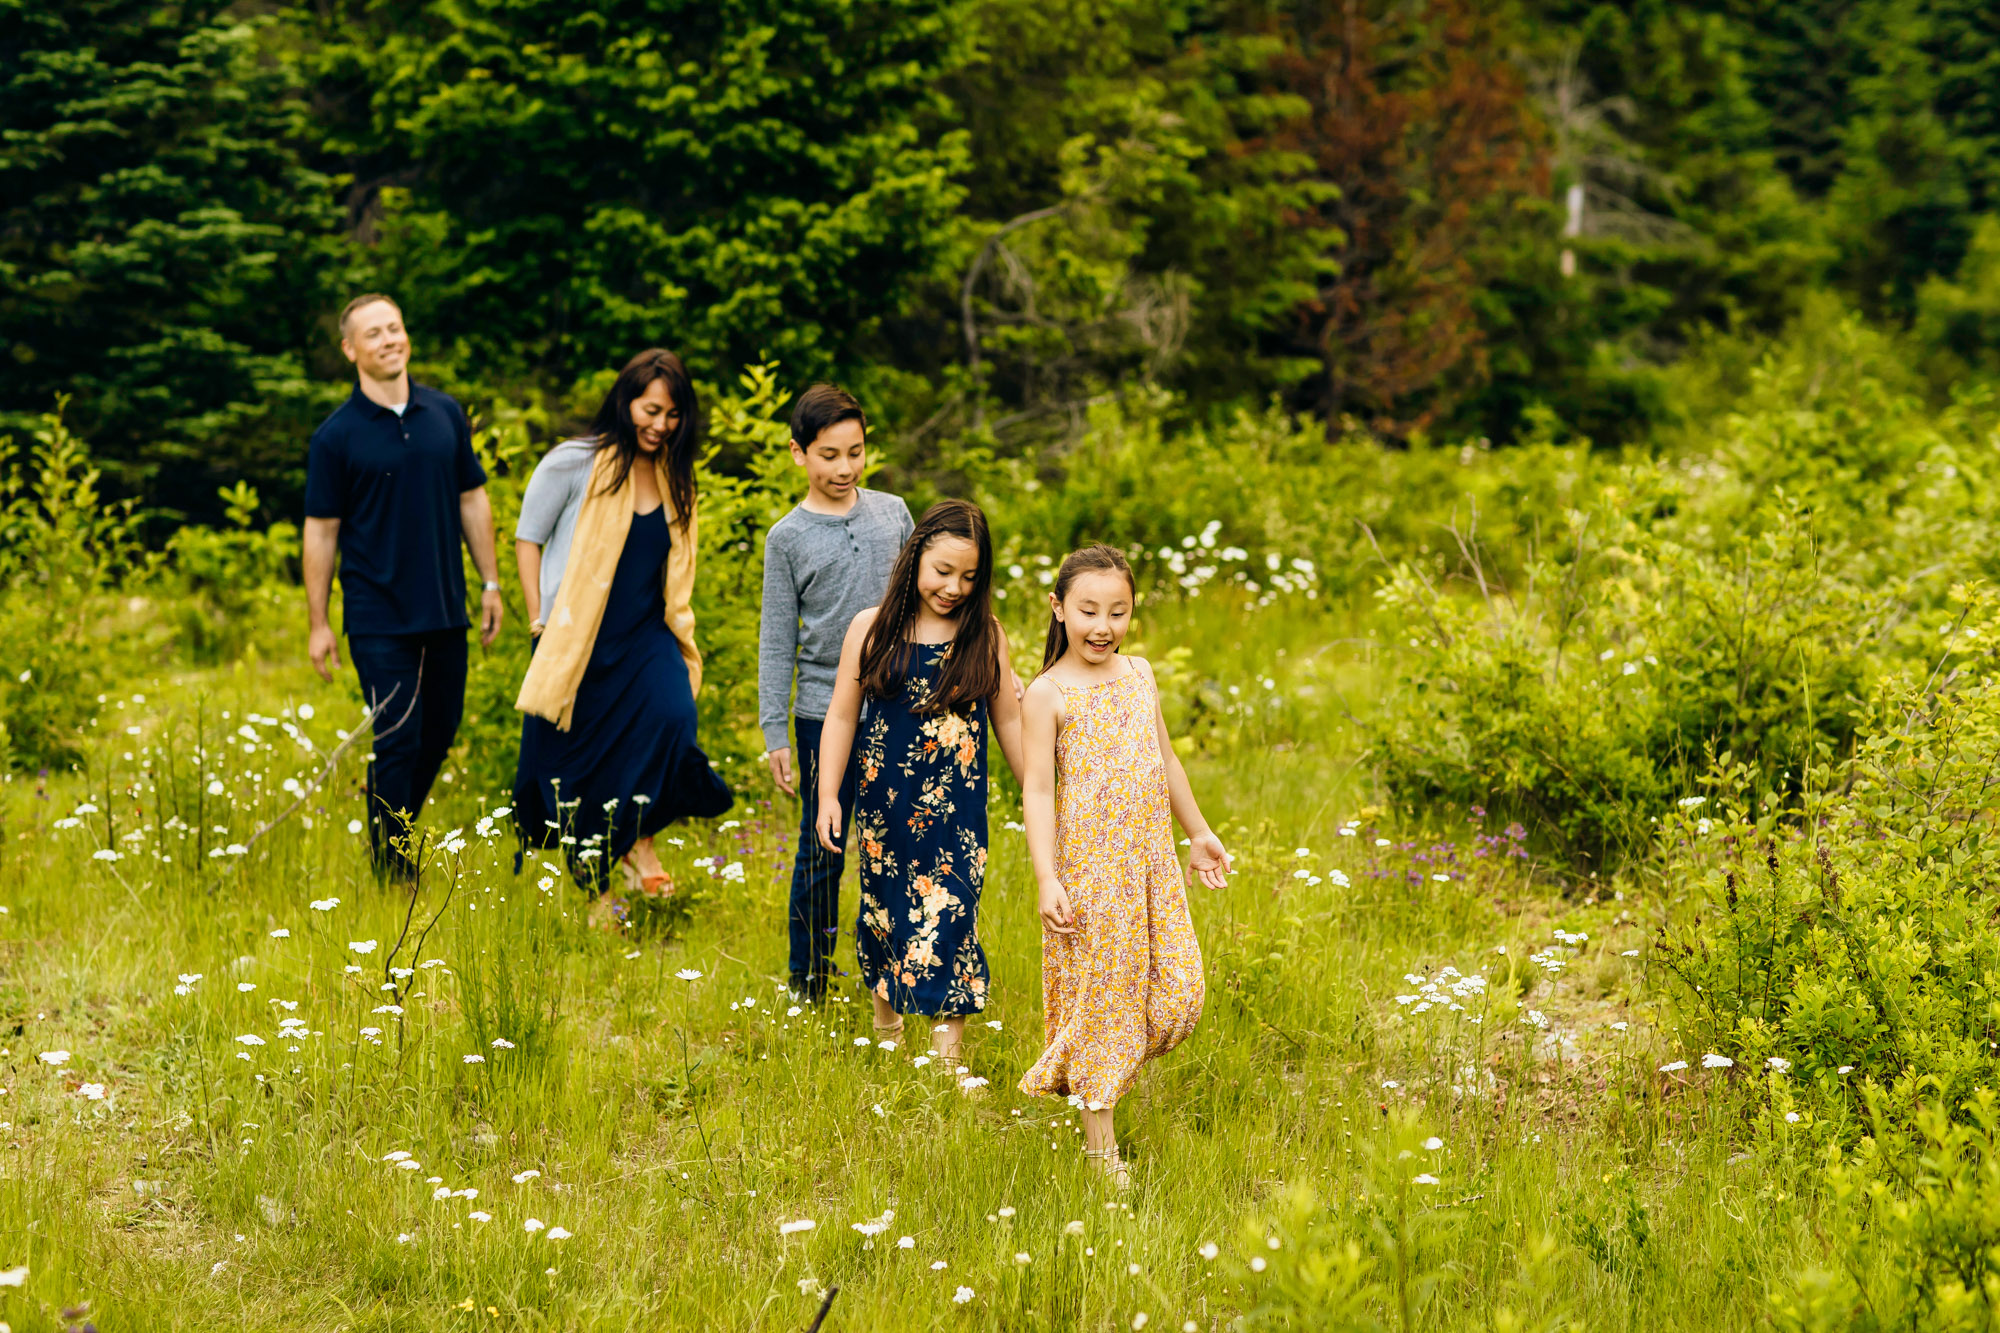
(1844, 938)
(235, 584)
(748, 483)
(1916, 1229)
(1258, 501)
(1602, 626)
(62, 550)
(1582, 697)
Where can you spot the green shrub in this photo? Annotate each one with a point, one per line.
(1258, 501)
(1844, 937)
(1580, 697)
(233, 587)
(1916, 1229)
(748, 482)
(1602, 626)
(63, 549)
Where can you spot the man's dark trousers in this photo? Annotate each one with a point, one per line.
(422, 679)
(815, 906)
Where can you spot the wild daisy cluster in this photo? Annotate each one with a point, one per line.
(401, 1160)
(1444, 993)
(732, 873)
(1198, 561)
(197, 789)
(1311, 880)
(1688, 805)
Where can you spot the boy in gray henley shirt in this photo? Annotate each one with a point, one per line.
(824, 563)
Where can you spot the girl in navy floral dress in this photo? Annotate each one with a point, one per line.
(931, 664)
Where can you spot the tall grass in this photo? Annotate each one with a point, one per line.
(658, 1098)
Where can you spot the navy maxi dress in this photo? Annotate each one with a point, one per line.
(920, 824)
(628, 766)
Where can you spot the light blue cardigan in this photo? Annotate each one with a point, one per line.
(549, 508)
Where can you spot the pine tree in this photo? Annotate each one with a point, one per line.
(163, 252)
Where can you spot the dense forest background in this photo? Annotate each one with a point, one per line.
(1428, 219)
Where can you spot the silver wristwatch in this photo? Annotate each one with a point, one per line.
(489, 586)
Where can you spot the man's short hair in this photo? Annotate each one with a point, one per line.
(366, 298)
(822, 406)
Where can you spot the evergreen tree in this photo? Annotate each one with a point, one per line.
(549, 187)
(163, 253)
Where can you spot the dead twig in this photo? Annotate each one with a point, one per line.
(367, 727)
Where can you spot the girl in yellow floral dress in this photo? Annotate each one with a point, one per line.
(1121, 969)
(931, 665)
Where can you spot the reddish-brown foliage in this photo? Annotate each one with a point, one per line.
(1428, 133)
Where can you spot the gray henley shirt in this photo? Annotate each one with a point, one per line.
(820, 571)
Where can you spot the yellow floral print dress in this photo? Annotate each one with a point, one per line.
(920, 824)
(1127, 987)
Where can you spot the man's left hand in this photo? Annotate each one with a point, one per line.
(491, 610)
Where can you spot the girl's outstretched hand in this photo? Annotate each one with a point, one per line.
(1055, 909)
(828, 821)
(1208, 860)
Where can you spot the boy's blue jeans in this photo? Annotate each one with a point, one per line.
(815, 908)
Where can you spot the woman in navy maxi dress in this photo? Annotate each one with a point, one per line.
(628, 766)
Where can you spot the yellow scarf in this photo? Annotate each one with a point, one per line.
(549, 689)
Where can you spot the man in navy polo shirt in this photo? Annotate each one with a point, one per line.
(393, 486)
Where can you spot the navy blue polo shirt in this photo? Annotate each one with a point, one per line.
(394, 485)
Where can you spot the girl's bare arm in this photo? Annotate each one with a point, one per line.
(1006, 706)
(836, 738)
(1040, 718)
(1207, 857)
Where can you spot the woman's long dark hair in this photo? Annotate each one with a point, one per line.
(613, 429)
(1090, 560)
(972, 666)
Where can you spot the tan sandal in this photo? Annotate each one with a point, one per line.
(648, 886)
(892, 1032)
(1111, 1165)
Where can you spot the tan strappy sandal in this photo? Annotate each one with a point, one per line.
(648, 886)
(1111, 1165)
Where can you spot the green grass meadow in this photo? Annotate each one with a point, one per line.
(495, 1117)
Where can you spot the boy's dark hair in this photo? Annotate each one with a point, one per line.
(822, 406)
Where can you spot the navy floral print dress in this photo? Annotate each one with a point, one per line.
(920, 825)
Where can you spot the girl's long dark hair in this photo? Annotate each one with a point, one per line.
(612, 428)
(1090, 560)
(972, 666)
